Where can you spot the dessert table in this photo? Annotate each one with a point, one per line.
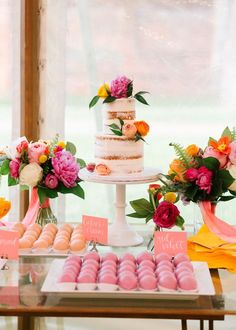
(21, 296)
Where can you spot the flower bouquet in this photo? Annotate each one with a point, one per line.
(48, 167)
(160, 207)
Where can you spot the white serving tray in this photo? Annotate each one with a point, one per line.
(202, 274)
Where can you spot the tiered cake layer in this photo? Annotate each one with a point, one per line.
(121, 154)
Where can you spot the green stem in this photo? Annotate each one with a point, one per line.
(153, 202)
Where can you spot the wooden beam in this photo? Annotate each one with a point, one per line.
(30, 29)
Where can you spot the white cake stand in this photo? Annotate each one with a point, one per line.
(120, 233)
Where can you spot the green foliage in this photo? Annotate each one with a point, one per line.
(93, 101)
(143, 209)
(140, 98)
(12, 181)
(109, 99)
(4, 169)
(186, 159)
(81, 163)
(71, 148)
(211, 163)
(130, 89)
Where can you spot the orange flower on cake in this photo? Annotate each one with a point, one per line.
(142, 127)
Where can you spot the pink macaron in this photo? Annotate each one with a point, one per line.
(108, 279)
(162, 256)
(145, 272)
(167, 282)
(67, 278)
(128, 281)
(186, 264)
(180, 257)
(110, 256)
(147, 264)
(145, 255)
(148, 282)
(92, 255)
(187, 282)
(128, 256)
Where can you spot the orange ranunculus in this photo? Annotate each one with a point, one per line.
(177, 167)
(142, 127)
(103, 90)
(4, 207)
(192, 150)
(222, 145)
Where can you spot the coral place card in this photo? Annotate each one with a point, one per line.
(95, 229)
(170, 242)
(9, 244)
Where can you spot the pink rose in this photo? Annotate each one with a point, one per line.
(36, 150)
(102, 169)
(129, 130)
(65, 168)
(51, 181)
(165, 215)
(119, 87)
(191, 174)
(23, 145)
(232, 155)
(204, 179)
(14, 167)
(211, 152)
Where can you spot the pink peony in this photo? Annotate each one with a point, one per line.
(129, 130)
(232, 155)
(204, 179)
(119, 87)
(165, 215)
(65, 168)
(191, 174)
(14, 167)
(51, 181)
(212, 152)
(36, 150)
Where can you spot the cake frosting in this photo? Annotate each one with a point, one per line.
(121, 154)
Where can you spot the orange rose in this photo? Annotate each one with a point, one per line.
(178, 168)
(142, 127)
(192, 150)
(4, 207)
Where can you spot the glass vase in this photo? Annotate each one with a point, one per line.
(45, 214)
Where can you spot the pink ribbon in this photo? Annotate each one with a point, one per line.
(31, 214)
(222, 229)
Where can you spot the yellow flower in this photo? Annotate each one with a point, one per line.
(192, 150)
(170, 197)
(104, 90)
(43, 159)
(4, 207)
(61, 144)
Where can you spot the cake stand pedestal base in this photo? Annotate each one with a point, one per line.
(123, 235)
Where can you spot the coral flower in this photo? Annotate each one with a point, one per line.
(222, 145)
(142, 127)
(4, 207)
(177, 167)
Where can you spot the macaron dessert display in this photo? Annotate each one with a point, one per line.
(144, 272)
(61, 239)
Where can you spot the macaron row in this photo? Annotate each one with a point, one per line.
(50, 238)
(129, 272)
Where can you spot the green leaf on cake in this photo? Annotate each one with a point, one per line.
(121, 122)
(140, 98)
(116, 132)
(114, 126)
(93, 101)
(71, 148)
(130, 89)
(109, 99)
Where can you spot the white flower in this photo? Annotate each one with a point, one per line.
(11, 151)
(232, 171)
(31, 174)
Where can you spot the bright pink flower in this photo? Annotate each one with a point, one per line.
(204, 179)
(65, 168)
(14, 167)
(191, 174)
(232, 155)
(165, 215)
(36, 150)
(119, 87)
(51, 181)
(212, 152)
(22, 146)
